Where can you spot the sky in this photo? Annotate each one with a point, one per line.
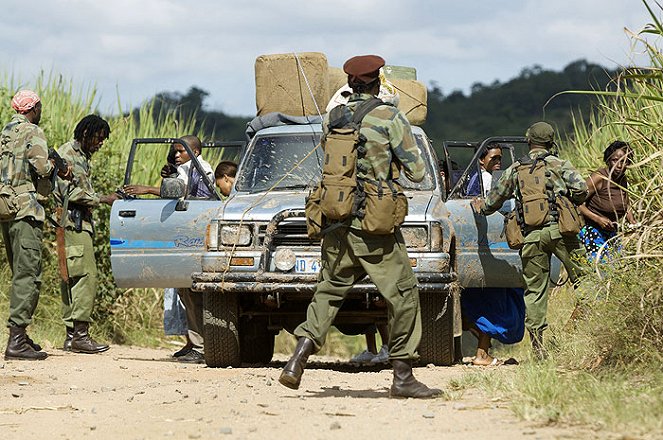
(132, 50)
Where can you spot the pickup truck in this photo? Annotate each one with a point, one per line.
(252, 261)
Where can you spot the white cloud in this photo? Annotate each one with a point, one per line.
(155, 45)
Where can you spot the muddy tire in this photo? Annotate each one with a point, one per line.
(256, 341)
(437, 329)
(221, 329)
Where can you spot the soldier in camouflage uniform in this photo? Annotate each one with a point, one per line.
(348, 253)
(543, 241)
(23, 235)
(79, 291)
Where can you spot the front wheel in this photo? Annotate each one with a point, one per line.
(221, 329)
(437, 328)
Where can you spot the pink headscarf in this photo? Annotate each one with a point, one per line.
(24, 100)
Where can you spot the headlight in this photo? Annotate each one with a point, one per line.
(235, 235)
(284, 259)
(415, 236)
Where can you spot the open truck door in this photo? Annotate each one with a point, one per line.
(156, 241)
(483, 257)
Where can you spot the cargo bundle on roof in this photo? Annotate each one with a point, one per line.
(283, 82)
(302, 84)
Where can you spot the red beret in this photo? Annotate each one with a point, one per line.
(363, 69)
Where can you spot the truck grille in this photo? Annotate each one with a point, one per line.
(289, 234)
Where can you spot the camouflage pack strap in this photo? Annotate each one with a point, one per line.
(365, 108)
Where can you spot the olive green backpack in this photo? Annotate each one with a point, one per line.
(9, 206)
(380, 205)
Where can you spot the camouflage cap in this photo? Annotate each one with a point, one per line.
(363, 69)
(540, 133)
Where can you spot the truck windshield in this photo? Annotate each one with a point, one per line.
(279, 162)
(282, 162)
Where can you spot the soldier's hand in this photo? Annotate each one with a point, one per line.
(109, 199)
(66, 174)
(476, 204)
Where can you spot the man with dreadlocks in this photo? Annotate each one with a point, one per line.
(77, 199)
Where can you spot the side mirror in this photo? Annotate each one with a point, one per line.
(172, 188)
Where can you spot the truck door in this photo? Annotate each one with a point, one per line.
(155, 241)
(483, 258)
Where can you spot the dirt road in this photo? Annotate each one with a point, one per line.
(138, 393)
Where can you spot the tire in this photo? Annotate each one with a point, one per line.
(221, 329)
(256, 341)
(437, 329)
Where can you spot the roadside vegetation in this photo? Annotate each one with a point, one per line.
(604, 368)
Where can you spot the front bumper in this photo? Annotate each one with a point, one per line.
(272, 282)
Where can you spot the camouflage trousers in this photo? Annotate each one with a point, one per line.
(539, 246)
(22, 239)
(347, 256)
(79, 293)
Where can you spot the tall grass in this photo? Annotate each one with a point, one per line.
(605, 367)
(124, 316)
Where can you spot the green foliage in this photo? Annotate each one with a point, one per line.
(509, 108)
(215, 125)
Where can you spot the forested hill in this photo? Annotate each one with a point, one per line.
(497, 109)
(509, 108)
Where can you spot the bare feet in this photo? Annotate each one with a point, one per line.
(484, 359)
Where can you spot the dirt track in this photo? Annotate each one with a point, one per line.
(138, 393)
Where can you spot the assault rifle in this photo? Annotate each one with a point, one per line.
(61, 166)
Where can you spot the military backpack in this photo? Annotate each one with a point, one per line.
(342, 193)
(9, 205)
(538, 204)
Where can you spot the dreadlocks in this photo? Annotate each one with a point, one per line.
(89, 126)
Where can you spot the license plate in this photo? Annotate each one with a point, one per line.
(307, 265)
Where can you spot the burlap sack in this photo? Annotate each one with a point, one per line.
(413, 99)
(281, 83)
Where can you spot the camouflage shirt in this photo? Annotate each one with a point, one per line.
(389, 139)
(566, 180)
(31, 165)
(81, 193)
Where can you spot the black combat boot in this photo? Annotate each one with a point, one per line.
(19, 348)
(405, 385)
(67, 340)
(82, 342)
(291, 375)
(31, 343)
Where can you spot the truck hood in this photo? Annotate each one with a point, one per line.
(262, 207)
